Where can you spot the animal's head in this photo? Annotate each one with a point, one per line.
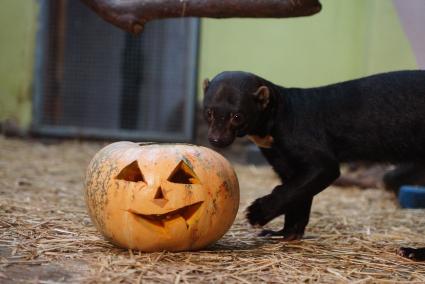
(233, 103)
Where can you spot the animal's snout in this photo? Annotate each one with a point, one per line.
(215, 142)
(218, 143)
(221, 141)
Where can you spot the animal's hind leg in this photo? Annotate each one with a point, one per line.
(405, 174)
(412, 253)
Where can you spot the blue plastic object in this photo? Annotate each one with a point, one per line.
(412, 196)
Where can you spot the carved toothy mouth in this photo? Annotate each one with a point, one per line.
(160, 220)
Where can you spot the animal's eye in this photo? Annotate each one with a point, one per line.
(237, 118)
(209, 114)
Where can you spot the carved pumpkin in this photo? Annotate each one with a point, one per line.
(156, 197)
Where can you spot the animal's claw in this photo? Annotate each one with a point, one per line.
(285, 234)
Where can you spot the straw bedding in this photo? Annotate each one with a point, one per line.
(47, 237)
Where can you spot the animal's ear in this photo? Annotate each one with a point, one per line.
(262, 96)
(205, 84)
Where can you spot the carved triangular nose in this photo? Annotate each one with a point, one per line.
(159, 194)
(159, 198)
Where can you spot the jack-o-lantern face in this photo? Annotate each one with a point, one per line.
(161, 196)
(163, 204)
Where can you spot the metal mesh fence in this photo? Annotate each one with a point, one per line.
(95, 80)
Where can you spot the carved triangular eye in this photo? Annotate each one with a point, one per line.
(131, 173)
(183, 174)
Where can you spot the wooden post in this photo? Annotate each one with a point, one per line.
(131, 15)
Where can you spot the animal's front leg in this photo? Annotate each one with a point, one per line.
(305, 183)
(297, 214)
(296, 219)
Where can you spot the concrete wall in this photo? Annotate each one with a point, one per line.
(347, 39)
(17, 39)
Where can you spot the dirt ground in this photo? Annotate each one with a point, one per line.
(46, 235)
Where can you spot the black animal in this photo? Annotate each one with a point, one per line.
(306, 133)
(404, 174)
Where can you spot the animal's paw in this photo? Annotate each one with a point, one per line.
(262, 210)
(411, 253)
(285, 234)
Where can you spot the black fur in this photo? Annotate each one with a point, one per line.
(379, 118)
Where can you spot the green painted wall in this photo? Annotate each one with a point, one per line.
(347, 39)
(17, 37)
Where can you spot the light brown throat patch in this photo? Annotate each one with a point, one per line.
(263, 142)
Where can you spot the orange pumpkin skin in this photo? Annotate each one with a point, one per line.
(155, 197)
